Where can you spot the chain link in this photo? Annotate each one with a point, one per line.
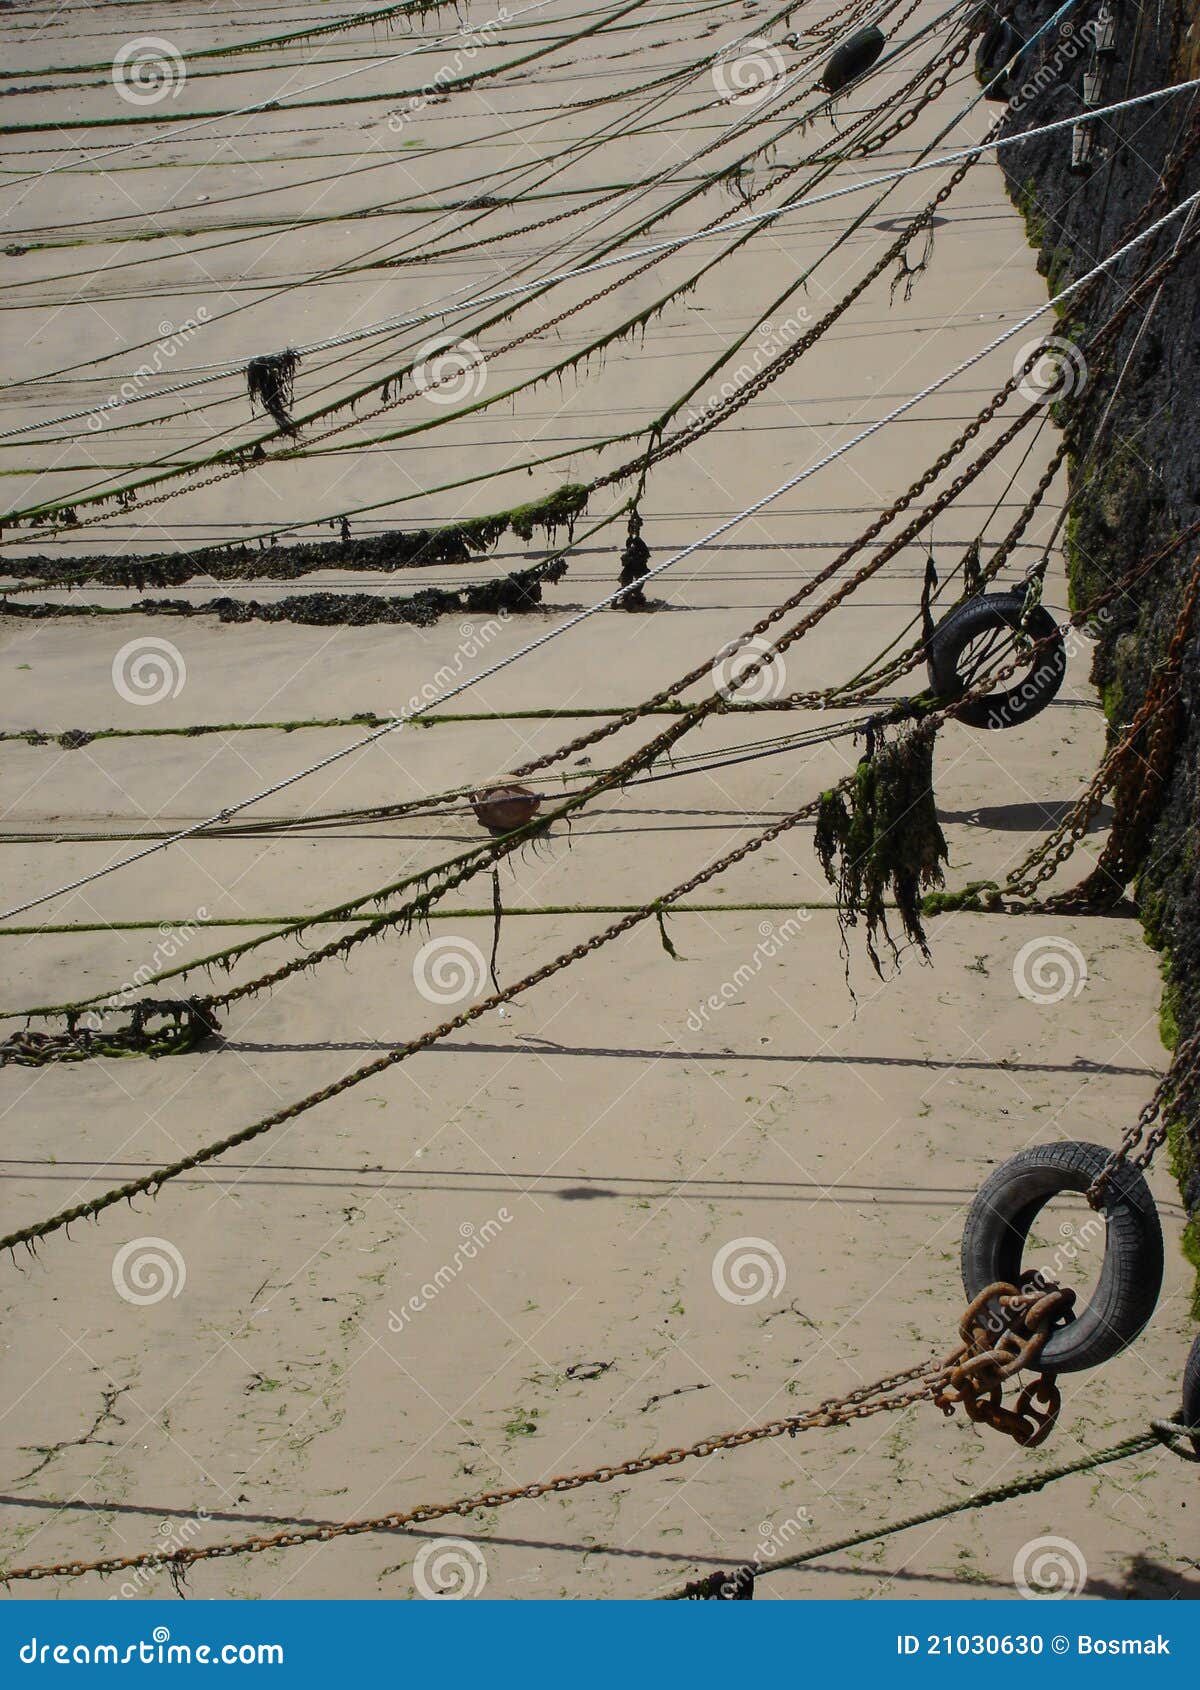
(988, 1355)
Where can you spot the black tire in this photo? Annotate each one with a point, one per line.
(1190, 1415)
(998, 1226)
(1001, 44)
(984, 623)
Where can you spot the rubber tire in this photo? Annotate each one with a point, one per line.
(999, 45)
(1026, 698)
(999, 1223)
(1190, 1415)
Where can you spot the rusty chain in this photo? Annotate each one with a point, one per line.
(992, 1349)
(1140, 1142)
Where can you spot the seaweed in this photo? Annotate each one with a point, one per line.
(271, 380)
(882, 835)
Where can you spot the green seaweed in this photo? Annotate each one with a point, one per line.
(882, 836)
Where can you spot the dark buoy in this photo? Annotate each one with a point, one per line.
(852, 58)
(504, 808)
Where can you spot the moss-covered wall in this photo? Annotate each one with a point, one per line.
(1133, 424)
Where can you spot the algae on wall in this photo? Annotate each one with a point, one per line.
(1133, 428)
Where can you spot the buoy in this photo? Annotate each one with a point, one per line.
(852, 58)
(504, 808)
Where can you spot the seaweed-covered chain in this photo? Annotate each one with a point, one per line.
(1141, 1141)
(737, 1583)
(655, 908)
(1131, 298)
(424, 900)
(1157, 711)
(241, 458)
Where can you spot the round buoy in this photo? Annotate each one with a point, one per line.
(504, 808)
(852, 58)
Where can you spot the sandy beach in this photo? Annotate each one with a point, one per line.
(565, 1173)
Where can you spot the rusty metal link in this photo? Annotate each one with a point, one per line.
(868, 1400)
(1003, 1332)
(1150, 763)
(1029, 1316)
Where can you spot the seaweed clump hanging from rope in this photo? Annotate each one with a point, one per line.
(881, 835)
(271, 380)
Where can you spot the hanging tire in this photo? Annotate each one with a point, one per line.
(1000, 45)
(852, 59)
(1190, 1415)
(999, 1223)
(977, 633)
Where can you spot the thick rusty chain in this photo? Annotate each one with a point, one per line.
(992, 1348)
(1003, 1332)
